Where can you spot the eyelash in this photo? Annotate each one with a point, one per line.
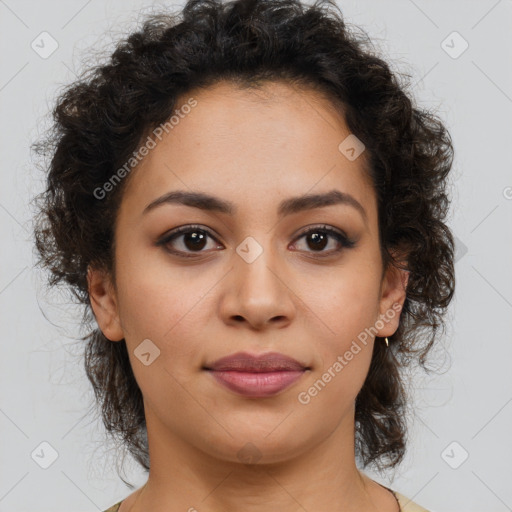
(344, 241)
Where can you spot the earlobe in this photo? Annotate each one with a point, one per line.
(104, 303)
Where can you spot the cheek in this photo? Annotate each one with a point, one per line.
(343, 305)
(344, 309)
(154, 320)
(164, 307)
(147, 307)
(152, 299)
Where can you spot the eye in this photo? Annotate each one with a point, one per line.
(187, 239)
(317, 238)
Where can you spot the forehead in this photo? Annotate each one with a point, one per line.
(245, 145)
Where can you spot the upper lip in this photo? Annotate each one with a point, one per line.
(245, 362)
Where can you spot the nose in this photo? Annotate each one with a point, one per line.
(258, 294)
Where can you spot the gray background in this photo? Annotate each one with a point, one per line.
(44, 393)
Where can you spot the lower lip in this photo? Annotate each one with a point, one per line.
(257, 385)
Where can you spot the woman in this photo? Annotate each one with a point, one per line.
(253, 209)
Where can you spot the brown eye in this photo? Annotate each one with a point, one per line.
(194, 240)
(317, 241)
(318, 238)
(186, 240)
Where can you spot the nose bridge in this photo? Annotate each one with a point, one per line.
(258, 293)
(256, 265)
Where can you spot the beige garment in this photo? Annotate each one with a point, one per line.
(407, 505)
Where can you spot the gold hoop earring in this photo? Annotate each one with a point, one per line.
(387, 342)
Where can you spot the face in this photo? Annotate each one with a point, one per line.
(253, 271)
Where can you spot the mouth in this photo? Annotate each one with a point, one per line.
(257, 376)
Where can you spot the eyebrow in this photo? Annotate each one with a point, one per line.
(287, 207)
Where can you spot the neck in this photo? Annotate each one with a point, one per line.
(323, 476)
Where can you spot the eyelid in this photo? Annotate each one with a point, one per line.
(320, 227)
(167, 236)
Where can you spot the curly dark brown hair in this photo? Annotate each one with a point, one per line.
(101, 119)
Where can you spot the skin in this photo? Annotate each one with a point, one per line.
(254, 149)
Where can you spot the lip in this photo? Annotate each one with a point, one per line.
(256, 376)
(245, 362)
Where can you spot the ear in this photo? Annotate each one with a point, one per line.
(104, 303)
(393, 295)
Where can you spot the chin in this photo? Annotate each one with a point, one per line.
(257, 446)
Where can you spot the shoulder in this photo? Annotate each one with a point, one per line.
(407, 505)
(114, 508)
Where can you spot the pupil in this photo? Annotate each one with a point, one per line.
(196, 240)
(316, 237)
